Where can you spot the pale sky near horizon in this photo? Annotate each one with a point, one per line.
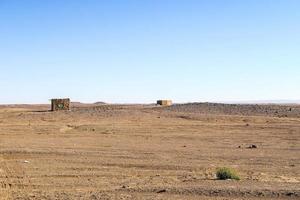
(133, 51)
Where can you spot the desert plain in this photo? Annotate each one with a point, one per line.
(106, 151)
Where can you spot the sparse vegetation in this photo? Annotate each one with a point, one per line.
(226, 173)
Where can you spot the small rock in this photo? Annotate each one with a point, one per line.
(161, 191)
(253, 146)
(290, 194)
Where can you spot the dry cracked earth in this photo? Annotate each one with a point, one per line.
(149, 152)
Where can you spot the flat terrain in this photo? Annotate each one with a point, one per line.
(149, 152)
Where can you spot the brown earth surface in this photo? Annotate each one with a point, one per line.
(149, 152)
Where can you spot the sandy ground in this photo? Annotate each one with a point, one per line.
(145, 152)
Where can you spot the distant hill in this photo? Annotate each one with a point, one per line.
(274, 110)
(100, 103)
(264, 102)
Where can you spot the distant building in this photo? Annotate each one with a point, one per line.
(164, 102)
(60, 104)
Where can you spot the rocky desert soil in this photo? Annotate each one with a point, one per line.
(149, 152)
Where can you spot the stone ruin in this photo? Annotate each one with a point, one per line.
(60, 104)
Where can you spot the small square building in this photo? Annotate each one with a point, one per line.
(164, 102)
(60, 104)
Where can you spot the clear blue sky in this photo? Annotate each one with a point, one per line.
(142, 50)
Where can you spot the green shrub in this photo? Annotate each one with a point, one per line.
(225, 173)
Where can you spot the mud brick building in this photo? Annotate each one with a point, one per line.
(164, 102)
